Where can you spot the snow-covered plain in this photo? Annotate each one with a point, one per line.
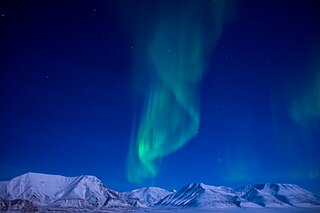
(236, 210)
(266, 210)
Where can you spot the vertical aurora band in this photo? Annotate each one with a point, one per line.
(176, 51)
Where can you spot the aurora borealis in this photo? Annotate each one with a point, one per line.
(163, 92)
(171, 114)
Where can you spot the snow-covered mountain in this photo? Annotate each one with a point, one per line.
(147, 196)
(57, 191)
(34, 191)
(202, 195)
(279, 195)
(257, 196)
(199, 195)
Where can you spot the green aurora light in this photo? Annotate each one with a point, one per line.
(176, 51)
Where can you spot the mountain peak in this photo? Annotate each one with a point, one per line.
(56, 190)
(199, 195)
(148, 195)
(279, 195)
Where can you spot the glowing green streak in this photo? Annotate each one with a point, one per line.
(171, 115)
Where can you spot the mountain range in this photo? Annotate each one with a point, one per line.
(32, 192)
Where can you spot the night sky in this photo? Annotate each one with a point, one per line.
(76, 91)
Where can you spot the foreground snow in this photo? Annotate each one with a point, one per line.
(239, 210)
(236, 210)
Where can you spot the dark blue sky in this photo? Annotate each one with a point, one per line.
(68, 103)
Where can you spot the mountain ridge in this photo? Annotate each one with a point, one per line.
(87, 192)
